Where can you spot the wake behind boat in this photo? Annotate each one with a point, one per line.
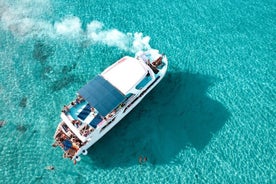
(106, 99)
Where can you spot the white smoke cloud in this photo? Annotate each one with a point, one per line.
(70, 26)
(18, 18)
(113, 37)
(25, 22)
(140, 42)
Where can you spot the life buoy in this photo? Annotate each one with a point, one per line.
(78, 158)
(84, 152)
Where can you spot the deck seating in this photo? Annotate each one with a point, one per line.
(96, 120)
(85, 112)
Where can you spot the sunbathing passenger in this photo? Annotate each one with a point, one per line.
(92, 109)
(65, 109)
(79, 99)
(76, 123)
(111, 114)
(69, 153)
(158, 61)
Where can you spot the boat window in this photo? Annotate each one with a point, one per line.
(129, 95)
(144, 82)
(107, 124)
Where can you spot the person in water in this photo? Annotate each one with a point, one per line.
(145, 159)
(2, 123)
(142, 160)
(50, 168)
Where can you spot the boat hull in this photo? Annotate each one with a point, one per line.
(121, 114)
(148, 69)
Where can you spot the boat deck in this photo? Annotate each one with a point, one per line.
(112, 94)
(84, 114)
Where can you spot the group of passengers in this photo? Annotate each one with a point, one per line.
(86, 130)
(155, 64)
(77, 123)
(111, 114)
(78, 100)
(70, 144)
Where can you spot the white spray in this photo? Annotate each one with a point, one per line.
(24, 23)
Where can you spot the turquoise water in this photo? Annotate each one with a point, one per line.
(211, 119)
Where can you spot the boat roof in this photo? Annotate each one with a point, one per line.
(125, 74)
(102, 95)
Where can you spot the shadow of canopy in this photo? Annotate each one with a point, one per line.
(176, 114)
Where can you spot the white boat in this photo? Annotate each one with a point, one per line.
(106, 99)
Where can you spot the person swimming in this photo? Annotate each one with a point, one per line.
(145, 159)
(2, 123)
(50, 167)
(142, 159)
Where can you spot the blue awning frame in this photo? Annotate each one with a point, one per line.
(102, 95)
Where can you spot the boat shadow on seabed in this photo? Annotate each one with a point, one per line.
(177, 114)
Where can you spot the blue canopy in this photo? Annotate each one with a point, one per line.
(99, 93)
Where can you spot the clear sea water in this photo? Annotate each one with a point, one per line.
(211, 120)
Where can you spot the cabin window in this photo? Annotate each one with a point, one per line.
(129, 95)
(144, 82)
(107, 124)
